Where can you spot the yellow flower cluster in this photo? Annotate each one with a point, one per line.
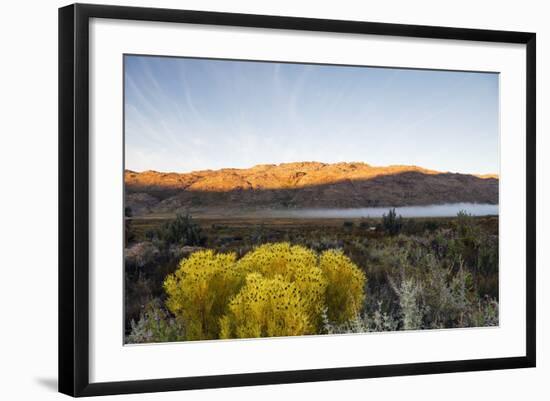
(294, 264)
(345, 291)
(275, 290)
(199, 291)
(265, 307)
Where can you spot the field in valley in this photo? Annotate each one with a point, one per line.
(419, 273)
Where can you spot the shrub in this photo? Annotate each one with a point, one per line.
(391, 223)
(150, 235)
(128, 234)
(155, 325)
(345, 286)
(258, 234)
(359, 324)
(137, 294)
(140, 255)
(382, 321)
(182, 231)
(295, 264)
(464, 223)
(266, 307)
(199, 291)
(409, 292)
(485, 313)
(275, 290)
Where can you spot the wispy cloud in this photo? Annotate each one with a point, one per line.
(190, 114)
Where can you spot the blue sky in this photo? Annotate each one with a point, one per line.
(186, 114)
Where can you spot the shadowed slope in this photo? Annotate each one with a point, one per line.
(304, 185)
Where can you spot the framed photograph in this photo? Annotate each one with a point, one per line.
(251, 199)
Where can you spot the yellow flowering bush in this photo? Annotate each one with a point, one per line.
(265, 307)
(345, 291)
(294, 264)
(275, 290)
(199, 291)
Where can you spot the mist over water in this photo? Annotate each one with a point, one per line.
(444, 210)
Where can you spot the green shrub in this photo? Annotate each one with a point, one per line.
(391, 223)
(150, 235)
(155, 325)
(410, 308)
(484, 314)
(182, 231)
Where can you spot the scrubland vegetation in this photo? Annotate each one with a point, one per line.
(216, 279)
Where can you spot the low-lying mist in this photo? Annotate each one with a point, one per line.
(444, 210)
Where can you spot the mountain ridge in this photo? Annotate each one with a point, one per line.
(304, 185)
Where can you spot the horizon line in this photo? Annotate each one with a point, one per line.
(413, 166)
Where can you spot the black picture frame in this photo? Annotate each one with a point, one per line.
(74, 200)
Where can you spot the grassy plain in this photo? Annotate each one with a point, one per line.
(434, 273)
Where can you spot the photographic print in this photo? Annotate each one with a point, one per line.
(274, 199)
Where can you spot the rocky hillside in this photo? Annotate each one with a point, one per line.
(304, 185)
